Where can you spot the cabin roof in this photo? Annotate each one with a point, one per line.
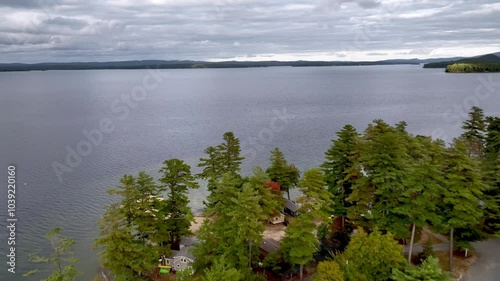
(291, 205)
(269, 245)
(184, 252)
(188, 241)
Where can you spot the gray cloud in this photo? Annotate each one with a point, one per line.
(64, 30)
(72, 23)
(28, 4)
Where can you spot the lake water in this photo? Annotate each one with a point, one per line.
(296, 109)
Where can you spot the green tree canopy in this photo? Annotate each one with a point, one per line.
(62, 258)
(229, 151)
(221, 159)
(177, 180)
(474, 131)
(316, 199)
(281, 172)
(329, 271)
(371, 257)
(221, 271)
(428, 271)
(340, 168)
(299, 243)
(235, 227)
(385, 163)
(131, 236)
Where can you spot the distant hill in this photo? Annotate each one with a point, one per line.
(484, 59)
(419, 61)
(143, 64)
(173, 64)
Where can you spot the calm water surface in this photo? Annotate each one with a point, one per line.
(296, 109)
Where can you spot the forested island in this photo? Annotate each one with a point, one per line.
(472, 67)
(485, 63)
(377, 193)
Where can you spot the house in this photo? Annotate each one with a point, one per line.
(277, 218)
(291, 208)
(268, 245)
(181, 259)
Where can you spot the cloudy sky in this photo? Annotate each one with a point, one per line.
(102, 30)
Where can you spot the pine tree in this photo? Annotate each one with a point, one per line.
(490, 166)
(371, 257)
(340, 169)
(424, 185)
(316, 199)
(299, 243)
(281, 172)
(229, 152)
(131, 232)
(329, 271)
(385, 162)
(62, 255)
(146, 208)
(211, 167)
(127, 257)
(235, 227)
(246, 222)
(221, 271)
(428, 271)
(221, 159)
(461, 204)
(474, 133)
(270, 199)
(177, 180)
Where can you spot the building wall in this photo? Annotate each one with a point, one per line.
(181, 263)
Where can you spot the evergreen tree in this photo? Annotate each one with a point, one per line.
(184, 275)
(281, 172)
(124, 255)
(62, 257)
(221, 159)
(177, 180)
(221, 271)
(424, 185)
(474, 133)
(385, 162)
(211, 167)
(340, 169)
(490, 166)
(461, 204)
(235, 227)
(147, 205)
(229, 152)
(247, 228)
(299, 243)
(270, 199)
(316, 200)
(371, 257)
(130, 230)
(329, 271)
(428, 271)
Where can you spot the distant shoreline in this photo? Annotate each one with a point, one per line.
(126, 65)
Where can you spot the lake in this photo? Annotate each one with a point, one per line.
(124, 121)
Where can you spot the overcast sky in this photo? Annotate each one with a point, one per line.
(102, 30)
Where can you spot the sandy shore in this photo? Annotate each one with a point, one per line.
(275, 232)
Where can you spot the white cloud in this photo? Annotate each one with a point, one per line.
(227, 29)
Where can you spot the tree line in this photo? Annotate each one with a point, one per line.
(473, 67)
(385, 182)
